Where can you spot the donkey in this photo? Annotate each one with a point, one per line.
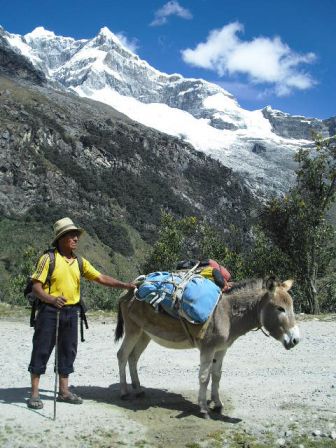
(253, 304)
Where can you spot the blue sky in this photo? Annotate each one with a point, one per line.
(265, 52)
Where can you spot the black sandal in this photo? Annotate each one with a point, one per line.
(35, 403)
(71, 398)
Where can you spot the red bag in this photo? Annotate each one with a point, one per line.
(225, 273)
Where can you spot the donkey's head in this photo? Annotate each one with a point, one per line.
(277, 314)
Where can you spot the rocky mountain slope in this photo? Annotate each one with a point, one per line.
(258, 144)
(62, 155)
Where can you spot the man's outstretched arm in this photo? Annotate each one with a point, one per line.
(106, 280)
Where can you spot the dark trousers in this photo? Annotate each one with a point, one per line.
(45, 336)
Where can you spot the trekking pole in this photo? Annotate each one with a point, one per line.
(56, 361)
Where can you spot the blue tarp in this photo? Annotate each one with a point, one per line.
(197, 301)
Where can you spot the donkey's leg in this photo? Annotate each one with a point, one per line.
(133, 360)
(216, 373)
(132, 334)
(204, 377)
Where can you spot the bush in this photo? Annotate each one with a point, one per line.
(189, 238)
(13, 289)
(97, 297)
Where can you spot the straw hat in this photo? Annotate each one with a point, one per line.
(63, 226)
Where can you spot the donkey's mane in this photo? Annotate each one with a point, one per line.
(246, 286)
(245, 294)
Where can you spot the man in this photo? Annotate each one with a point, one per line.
(63, 295)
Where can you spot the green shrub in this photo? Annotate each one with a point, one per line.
(97, 297)
(12, 291)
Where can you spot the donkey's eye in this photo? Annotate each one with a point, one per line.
(281, 309)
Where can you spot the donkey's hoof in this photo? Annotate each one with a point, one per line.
(140, 394)
(205, 415)
(217, 409)
(125, 396)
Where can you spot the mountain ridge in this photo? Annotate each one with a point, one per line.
(67, 155)
(258, 144)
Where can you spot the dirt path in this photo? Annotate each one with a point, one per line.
(271, 397)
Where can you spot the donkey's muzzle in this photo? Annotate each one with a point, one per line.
(291, 338)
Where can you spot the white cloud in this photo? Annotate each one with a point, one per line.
(244, 91)
(172, 8)
(131, 44)
(262, 59)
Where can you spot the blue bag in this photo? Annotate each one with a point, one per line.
(196, 299)
(158, 288)
(199, 299)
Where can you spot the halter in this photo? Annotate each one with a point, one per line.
(264, 331)
(261, 327)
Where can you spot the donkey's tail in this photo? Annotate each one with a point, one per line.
(119, 331)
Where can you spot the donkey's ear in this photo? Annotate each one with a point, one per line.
(287, 284)
(270, 283)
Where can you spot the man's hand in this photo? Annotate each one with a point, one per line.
(59, 302)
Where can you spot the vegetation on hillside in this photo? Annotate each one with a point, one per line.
(95, 296)
(191, 239)
(26, 240)
(293, 239)
(297, 223)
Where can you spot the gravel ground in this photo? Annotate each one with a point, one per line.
(272, 397)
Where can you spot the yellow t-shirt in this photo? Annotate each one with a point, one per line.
(65, 279)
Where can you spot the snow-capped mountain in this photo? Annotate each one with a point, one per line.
(258, 143)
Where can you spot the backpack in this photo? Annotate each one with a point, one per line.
(36, 303)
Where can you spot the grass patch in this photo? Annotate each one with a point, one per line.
(140, 443)
(310, 442)
(8, 311)
(243, 440)
(216, 435)
(326, 317)
(15, 312)
(240, 439)
(100, 439)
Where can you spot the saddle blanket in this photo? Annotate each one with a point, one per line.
(194, 299)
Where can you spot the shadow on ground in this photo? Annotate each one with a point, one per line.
(151, 399)
(15, 395)
(18, 396)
